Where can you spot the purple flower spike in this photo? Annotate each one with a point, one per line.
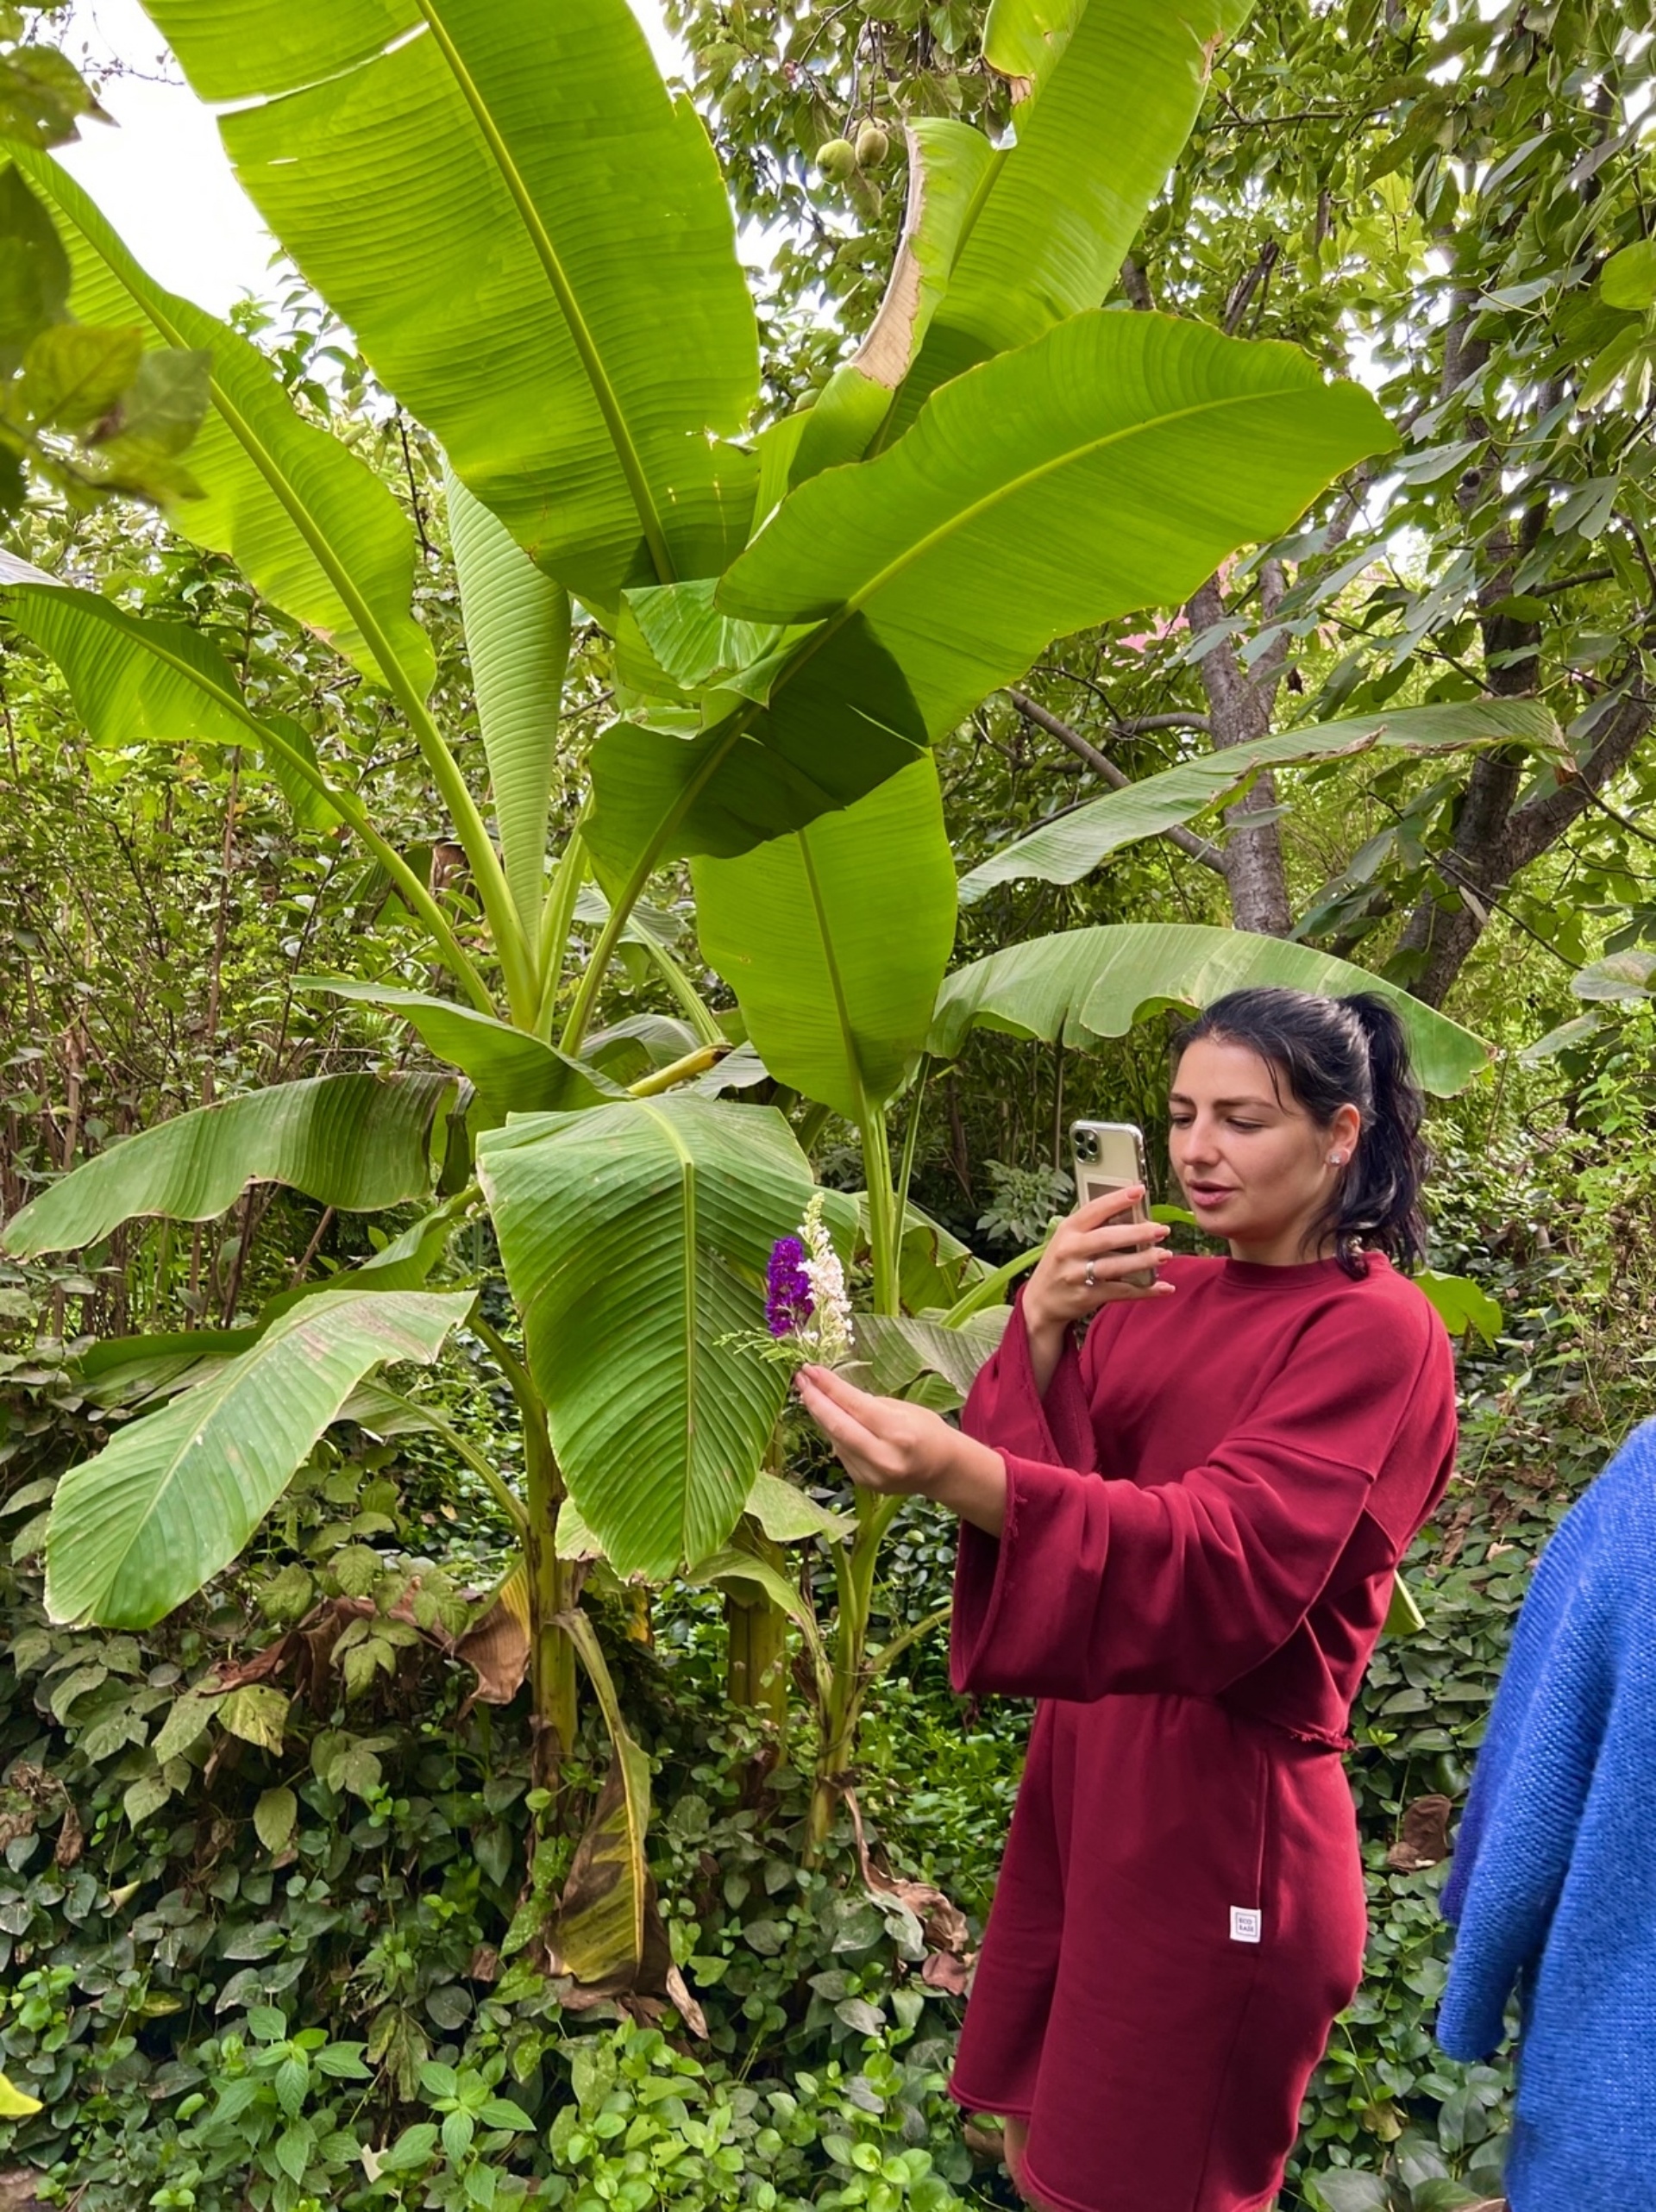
(788, 1302)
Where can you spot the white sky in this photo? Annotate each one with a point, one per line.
(162, 177)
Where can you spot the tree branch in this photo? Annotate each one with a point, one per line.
(1103, 766)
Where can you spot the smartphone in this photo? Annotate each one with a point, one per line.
(1108, 1156)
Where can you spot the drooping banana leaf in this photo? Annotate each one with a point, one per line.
(309, 524)
(357, 1142)
(605, 1915)
(532, 244)
(134, 1371)
(635, 1238)
(835, 941)
(1065, 850)
(140, 1526)
(513, 1072)
(1082, 985)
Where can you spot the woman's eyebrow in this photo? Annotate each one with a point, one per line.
(1183, 1098)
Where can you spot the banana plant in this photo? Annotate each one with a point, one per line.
(532, 242)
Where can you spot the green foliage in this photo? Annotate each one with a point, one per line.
(1086, 985)
(673, 1206)
(835, 942)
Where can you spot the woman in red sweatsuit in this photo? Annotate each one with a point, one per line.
(1180, 1914)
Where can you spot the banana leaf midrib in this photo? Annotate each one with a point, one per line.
(692, 1300)
(837, 980)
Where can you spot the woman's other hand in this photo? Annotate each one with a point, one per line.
(892, 1446)
(1084, 1268)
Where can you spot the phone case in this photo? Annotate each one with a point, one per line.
(1107, 1155)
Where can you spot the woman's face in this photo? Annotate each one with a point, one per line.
(1256, 1169)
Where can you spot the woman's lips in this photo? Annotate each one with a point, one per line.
(1209, 1195)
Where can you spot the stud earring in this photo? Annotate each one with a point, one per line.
(1336, 1159)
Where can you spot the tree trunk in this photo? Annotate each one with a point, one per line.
(1239, 701)
(1493, 843)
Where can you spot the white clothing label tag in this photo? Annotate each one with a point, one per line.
(1245, 1924)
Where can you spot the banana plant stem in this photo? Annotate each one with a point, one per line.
(905, 1170)
(882, 1214)
(552, 1590)
(507, 1499)
(598, 961)
(351, 810)
(486, 871)
(557, 918)
(901, 1642)
(993, 1288)
(696, 1013)
(853, 1573)
(515, 964)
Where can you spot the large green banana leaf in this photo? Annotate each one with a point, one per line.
(356, 1142)
(140, 1527)
(309, 524)
(1108, 467)
(1082, 985)
(518, 641)
(512, 1071)
(835, 941)
(635, 1237)
(1063, 850)
(532, 244)
(132, 1372)
(1053, 220)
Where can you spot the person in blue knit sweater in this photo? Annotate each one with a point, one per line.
(1553, 1887)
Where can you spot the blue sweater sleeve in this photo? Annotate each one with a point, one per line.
(1514, 1844)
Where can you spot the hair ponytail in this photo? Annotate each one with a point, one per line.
(1379, 1203)
(1335, 1052)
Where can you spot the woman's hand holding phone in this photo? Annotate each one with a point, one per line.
(1085, 1266)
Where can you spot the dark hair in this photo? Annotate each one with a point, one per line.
(1336, 1052)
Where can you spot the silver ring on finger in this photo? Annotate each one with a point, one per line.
(1088, 1279)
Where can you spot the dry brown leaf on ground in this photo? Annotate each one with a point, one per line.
(1425, 1837)
(949, 1962)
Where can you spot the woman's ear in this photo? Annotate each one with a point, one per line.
(1344, 1131)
